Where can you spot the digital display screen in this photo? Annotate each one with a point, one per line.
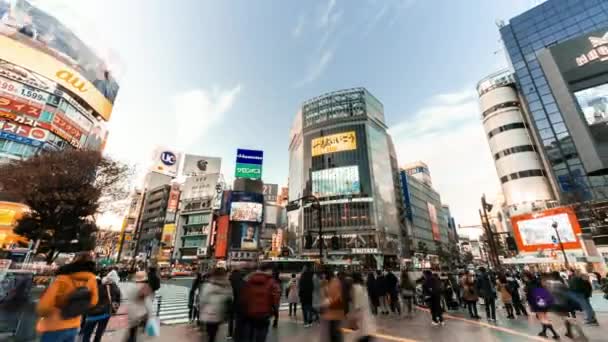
(594, 104)
(246, 211)
(336, 181)
(539, 231)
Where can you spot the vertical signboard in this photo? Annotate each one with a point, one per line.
(271, 191)
(249, 163)
(221, 239)
(434, 222)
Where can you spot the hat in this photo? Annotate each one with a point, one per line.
(141, 276)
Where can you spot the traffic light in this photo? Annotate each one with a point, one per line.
(511, 244)
(308, 241)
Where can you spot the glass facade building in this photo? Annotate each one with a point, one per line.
(528, 39)
(340, 152)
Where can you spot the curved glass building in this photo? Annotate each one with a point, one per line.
(341, 153)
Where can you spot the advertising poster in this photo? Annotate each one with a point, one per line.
(246, 211)
(173, 198)
(221, 238)
(36, 41)
(202, 186)
(249, 236)
(201, 165)
(336, 181)
(535, 231)
(271, 191)
(168, 235)
(334, 143)
(249, 164)
(434, 222)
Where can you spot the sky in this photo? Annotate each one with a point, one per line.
(208, 77)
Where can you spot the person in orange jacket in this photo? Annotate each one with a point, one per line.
(52, 324)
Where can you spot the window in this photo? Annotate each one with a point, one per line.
(500, 106)
(542, 124)
(515, 149)
(507, 127)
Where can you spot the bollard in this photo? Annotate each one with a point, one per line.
(160, 300)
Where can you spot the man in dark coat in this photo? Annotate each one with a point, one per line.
(487, 291)
(235, 319)
(305, 289)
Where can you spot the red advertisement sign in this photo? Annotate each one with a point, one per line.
(19, 119)
(173, 198)
(66, 125)
(25, 131)
(221, 240)
(434, 222)
(8, 103)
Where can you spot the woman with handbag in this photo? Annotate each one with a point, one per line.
(360, 316)
(98, 317)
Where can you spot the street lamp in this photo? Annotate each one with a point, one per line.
(561, 245)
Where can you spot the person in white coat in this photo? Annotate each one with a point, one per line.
(360, 311)
(140, 306)
(215, 302)
(292, 295)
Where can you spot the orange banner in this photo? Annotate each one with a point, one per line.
(221, 240)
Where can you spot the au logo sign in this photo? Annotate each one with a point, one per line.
(72, 79)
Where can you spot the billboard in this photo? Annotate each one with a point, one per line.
(271, 191)
(221, 238)
(271, 214)
(249, 164)
(336, 181)
(165, 161)
(249, 235)
(36, 41)
(246, 211)
(200, 165)
(434, 222)
(200, 186)
(345, 141)
(168, 235)
(534, 231)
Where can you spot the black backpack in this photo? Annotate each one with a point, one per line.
(77, 302)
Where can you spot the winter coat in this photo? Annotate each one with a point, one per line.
(236, 282)
(108, 293)
(381, 286)
(581, 286)
(292, 291)
(469, 289)
(69, 277)
(260, 295)
(215, 300)
(505, 295)
(514, 289)
(485, 286)
(361, 312)
(334, 302)
(140, 297)
(305, 288)
(392, 283)
(432, 288)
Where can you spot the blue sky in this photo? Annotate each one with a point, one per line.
(207, 77)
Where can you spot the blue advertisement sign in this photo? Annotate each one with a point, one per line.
(244, 156)
(20, 139)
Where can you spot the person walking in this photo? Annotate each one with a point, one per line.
(487, 291)
(433, 290)
(372, 292)
(392, 286)
(539, 301)
(292, 296)
(470, 294)
(153, 278)
(581, 291)
(505, 295)
(140, 306)
(236, 324)
(360, 312)
(71, 295)
(305, 289)
(408, 289)
(333, 309)
(514, 289)
(215, 302)
(193, 298)
(381, 290)
(97, 318)
(316, 297)
(277, 278)
(259, 295)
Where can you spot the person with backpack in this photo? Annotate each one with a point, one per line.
(98, 317)
(259, 295)
(513, 288)
(581, 292)
(433, 290)
(215, 302)
(71, 295)
(539, 300)
(140, 305)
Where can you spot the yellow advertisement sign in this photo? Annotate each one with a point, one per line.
(168, 235)
(30, 58)
(10, 213)
(345, 141)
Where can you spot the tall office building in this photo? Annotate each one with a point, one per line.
(518, 164)
(420, 171)
(340, 152)
(558, 53)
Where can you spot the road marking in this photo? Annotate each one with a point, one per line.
(487, 325)
(385, 337)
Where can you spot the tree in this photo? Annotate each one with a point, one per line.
(64, 190)
(444, 255)
(454, 254)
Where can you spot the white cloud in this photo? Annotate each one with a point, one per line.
(297, 30)
(325, 18)
(448, 135)
(316, 70)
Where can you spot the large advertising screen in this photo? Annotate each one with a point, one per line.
(594, 104)
(345, 141)
(535, 231)
(336, 181)
(37, 41)
(246, 211)
(434, 222)
(249, 235)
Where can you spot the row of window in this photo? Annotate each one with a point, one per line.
(500, 106)
(515, 149)
(522, 174)
(17, 149)
(507, 127)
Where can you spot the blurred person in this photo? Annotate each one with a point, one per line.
(153, 278)
(470, 294)
(259, 295)
(392, 286)
(97, 318)
(360, 310)
(193, 298)
(316, 297)
(513, 287)
(235, 316)
(277, 278)
(581, 292)
(292, 295)
(305, 293)
(539, 301)
(215, 302)
(140, 306)
(408, 289)
(333, 309)
(505, 295)
(372, 292)
(485, 286)
(63, 303)
(433, 290)
(382, 291)
(562, 304)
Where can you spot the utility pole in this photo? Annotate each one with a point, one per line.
(561, 245)
(488, 229)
